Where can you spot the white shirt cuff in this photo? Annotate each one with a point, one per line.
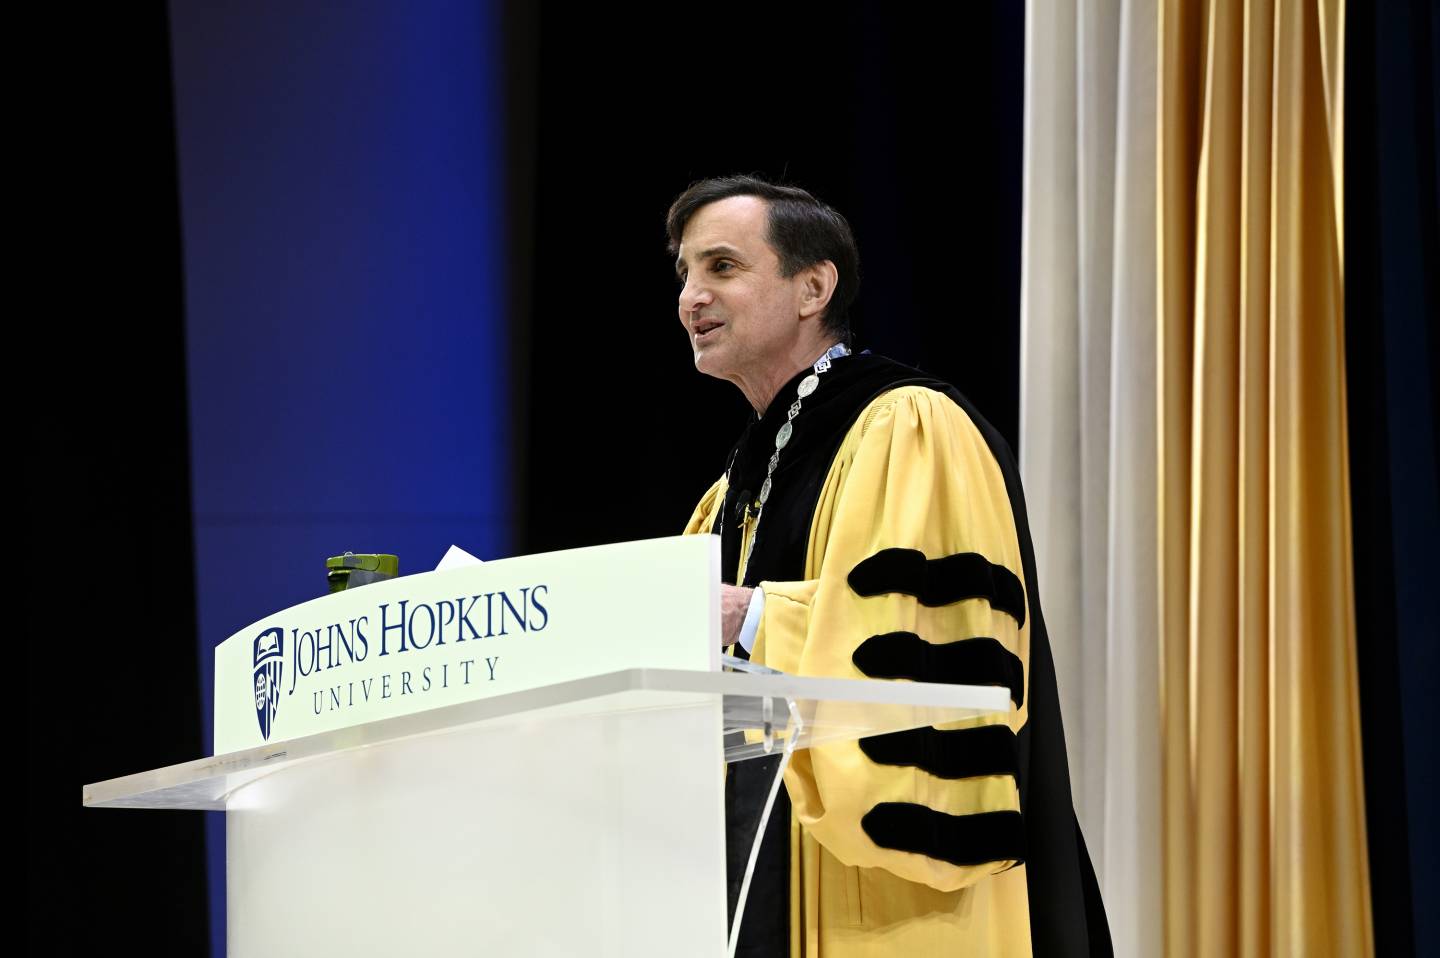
(751, 624)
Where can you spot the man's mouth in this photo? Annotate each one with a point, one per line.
(705, 330)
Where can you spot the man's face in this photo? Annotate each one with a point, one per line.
(740, 313)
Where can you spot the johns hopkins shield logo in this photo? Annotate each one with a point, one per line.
(269, 660)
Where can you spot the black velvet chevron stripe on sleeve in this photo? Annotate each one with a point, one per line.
(952, 753)
(964, 575)
(979, 661)
(957, 839)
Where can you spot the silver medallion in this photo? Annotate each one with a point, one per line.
(807, 386)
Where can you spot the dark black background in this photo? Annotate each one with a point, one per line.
(108, 585)
(910, 126)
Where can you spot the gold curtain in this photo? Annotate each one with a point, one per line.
(1264, 831)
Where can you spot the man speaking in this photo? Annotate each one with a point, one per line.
(872, 526)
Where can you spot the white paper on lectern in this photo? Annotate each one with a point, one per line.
(455, 557)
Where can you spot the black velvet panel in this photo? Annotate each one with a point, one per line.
(957, 839)
(964, 575)
(953, 753)
(904, 655)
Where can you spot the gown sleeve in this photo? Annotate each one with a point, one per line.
(916, 576)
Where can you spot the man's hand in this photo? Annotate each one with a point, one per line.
(734, 603)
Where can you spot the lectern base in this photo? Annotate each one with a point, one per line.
(541, 837)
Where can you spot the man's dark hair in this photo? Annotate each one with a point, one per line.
(802, 230)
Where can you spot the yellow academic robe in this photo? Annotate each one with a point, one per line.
(912, 473)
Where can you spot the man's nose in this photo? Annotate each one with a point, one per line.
(693, 295)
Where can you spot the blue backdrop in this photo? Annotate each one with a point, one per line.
(341, 177)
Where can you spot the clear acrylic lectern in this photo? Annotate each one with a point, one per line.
(580, 818)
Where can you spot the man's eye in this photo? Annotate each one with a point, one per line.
(723, 266)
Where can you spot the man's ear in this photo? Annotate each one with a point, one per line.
(817, 285)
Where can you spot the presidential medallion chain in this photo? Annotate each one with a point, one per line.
(807, 386)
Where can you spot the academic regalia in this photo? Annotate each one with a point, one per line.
(894, 545)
